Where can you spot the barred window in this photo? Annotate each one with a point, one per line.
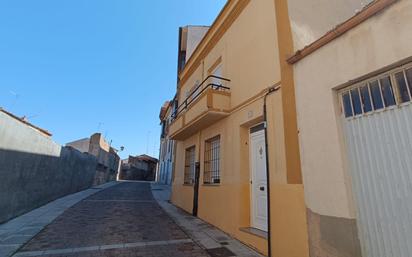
(189, 177)
(212, 161)
(385, 91)
(376, 95)
(366, 99)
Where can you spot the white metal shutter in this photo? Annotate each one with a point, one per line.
(379, 147)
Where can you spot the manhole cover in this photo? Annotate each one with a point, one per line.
(220, 252)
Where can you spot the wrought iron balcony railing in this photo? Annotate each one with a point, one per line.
(211, 81)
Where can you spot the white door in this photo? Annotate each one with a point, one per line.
(258, 180)
(378, 135)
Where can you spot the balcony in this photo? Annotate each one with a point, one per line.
(207, 104)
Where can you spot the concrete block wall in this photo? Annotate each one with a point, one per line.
(34, 170)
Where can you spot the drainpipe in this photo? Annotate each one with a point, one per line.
(197, 178)
(270, 91)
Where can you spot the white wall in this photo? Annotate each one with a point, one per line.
(380, 41)
(194, 36)
(312, 19)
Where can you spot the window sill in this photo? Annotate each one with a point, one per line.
(255, 232)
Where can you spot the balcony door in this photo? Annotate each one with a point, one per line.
(217, 71)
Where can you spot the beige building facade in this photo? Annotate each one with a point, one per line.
(223, 135)
(353, 89)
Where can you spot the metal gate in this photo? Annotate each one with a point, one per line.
(378, 135)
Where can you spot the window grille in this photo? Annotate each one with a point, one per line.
(212, 161)
(378, 93)
(189, 177)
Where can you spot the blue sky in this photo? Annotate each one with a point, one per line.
(75, 67)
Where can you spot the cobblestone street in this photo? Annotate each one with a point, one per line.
(124, 220)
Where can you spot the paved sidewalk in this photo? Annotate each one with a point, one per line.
(124, 220)
(216, 242)
(16, 232)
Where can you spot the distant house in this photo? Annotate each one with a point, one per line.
(141, 167)
(167, 145)
(108, 162)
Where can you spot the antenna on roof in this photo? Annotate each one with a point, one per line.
(99, 126)
(16, 97)
(147, 142)
(27, 118)
(32, 116)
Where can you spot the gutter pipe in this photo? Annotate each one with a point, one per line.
(270, 91)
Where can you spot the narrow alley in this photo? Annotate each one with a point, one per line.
(127, 220)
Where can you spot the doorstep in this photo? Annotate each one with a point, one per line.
(255, 232)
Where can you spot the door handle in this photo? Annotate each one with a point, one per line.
(262, 188)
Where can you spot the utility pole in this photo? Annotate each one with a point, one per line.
(147, 142)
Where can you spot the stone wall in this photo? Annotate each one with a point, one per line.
(34, 170)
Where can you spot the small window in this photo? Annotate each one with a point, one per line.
(356, 100)
(212, 161)
(376, 95)
(408, 74)
(403, 91)
(387, 91)
(189, 177)
(366, 99)
(347, 105)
